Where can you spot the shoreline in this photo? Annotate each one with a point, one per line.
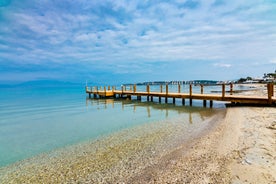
(239, 150)
(115, 158)
(237, 146)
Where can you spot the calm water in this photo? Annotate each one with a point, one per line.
(37, 120)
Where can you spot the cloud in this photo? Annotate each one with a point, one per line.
(105, 33)
(176, 31)
(223, 65)
(273, 61)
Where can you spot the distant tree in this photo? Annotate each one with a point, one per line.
(248, 78)
(241, 80)
(271, 75)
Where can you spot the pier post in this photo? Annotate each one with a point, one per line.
(161, 88)
(183, 101)
(108, 88)
(204, 103)
(96, 89)
(159, 99)
(211, 103)
(270, 92)
(231, 88)
(191, 92)
(179, 88)
(104, 91)
(134, 88)
(122, 89)
(272, 89)
(223, 90)
(130, 88)
(148, 91)
(201, 88)
(114, 95)
(151, 98)
(167, 91)
(173, 100)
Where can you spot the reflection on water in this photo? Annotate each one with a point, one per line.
(203, 113)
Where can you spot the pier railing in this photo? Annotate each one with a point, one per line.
(229, 95)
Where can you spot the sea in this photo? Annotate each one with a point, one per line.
(35, 120)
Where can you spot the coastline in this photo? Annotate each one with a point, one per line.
(236, 146)
(119, 157)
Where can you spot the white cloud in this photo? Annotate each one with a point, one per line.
(273, 61)
(109, 32)
(223, 65)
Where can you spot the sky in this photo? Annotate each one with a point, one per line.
(122, 41)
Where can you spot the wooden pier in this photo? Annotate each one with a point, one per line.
(229, 97)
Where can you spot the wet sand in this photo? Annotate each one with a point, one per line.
(237, 146)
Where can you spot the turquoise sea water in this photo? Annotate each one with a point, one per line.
(35, 120)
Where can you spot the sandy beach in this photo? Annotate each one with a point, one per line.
(240, 150)
(236, 146)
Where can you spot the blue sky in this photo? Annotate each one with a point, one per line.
(107, 41)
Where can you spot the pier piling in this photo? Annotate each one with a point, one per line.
(204, 103)
(103, 92)
(223, 90)
(183, 101)
(201, 88)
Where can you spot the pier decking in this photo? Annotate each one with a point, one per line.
(269, 100)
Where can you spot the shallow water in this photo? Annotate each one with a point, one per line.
(41, 120)
(113, 158)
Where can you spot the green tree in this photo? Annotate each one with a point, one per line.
(248, 78)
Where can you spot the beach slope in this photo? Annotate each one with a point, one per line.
(241, 149)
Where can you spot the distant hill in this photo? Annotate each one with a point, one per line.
(43, 83)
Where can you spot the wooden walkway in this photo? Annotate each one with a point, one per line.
(268, 100)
